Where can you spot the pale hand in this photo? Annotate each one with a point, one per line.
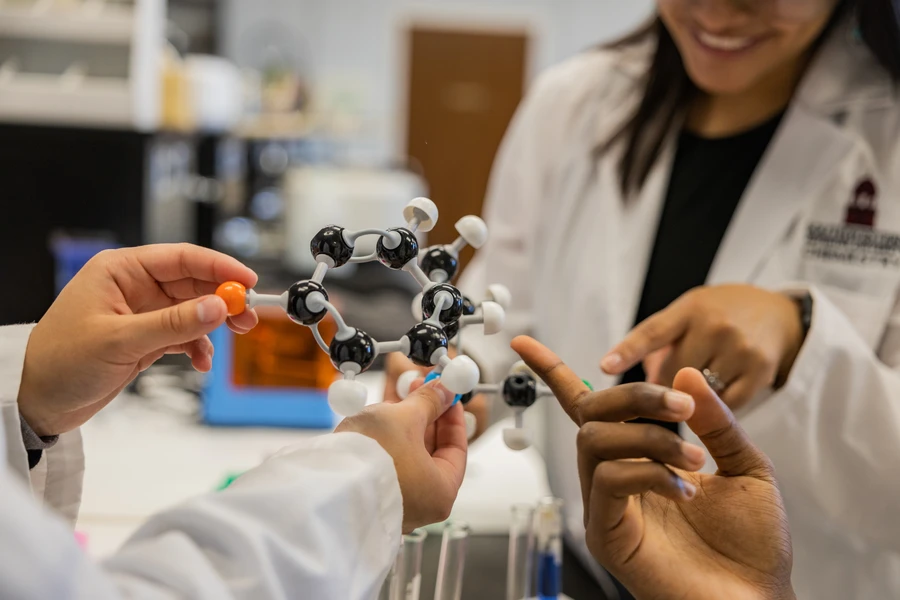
(660, 528)
(747, 336)
(122, 312)
(430, 471)
(396, 365)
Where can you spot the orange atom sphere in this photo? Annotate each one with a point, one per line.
(235, 296)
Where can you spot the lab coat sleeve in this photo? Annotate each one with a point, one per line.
(56, 481)
(833, 430)
(319, 521)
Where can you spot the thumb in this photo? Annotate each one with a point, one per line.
(179, 324)
(429, 402)
(715, 425)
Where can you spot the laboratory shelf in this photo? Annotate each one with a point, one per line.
(49, 74)
(86, 101)
(94, 23)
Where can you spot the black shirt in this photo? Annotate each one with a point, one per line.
(709, 178)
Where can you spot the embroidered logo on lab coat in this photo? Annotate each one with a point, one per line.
(855, 241)
(853, 245)
(863, 206)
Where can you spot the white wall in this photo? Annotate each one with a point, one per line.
(352, 50)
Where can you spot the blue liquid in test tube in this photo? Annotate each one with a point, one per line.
(548, 534)
(549, 577)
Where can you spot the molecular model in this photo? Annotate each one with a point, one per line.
(442, 311)
(519, 390)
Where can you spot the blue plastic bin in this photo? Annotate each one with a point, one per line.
(227, 404)
(71, 254)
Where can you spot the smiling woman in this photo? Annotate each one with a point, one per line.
(729, 50)
(732, 64)
(719, 191)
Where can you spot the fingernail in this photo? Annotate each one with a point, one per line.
(693, 453)
(689, 489)
(677, 401)
(611, 362)
(210, 309)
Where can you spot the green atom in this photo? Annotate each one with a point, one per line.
(227, 481)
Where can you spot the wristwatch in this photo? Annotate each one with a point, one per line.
(805, 305)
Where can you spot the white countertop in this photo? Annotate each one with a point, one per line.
(146, 455)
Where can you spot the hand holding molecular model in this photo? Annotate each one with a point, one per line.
(520, 390)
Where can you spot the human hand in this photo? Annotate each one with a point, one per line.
(430, 471)
(746, 336)
(121, 313)
(396, 365)
(663, 530)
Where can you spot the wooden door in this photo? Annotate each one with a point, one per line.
(464, 88)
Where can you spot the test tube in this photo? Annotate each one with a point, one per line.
(548, 548)
(519, 571)
(405, 579)
(452, 561)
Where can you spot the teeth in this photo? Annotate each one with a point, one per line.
(724, 43)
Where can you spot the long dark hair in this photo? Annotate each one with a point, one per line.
(669, 90)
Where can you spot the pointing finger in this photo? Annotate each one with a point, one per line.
(651, 335)
(569, 389)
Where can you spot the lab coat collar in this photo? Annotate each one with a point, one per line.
(790, 176)
(631, 64)
(843, 74)
(808, 146)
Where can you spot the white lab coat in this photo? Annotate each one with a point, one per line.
(56, 480)
(321, 520)
(575, 256)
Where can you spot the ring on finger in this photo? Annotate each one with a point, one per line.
(714, 380)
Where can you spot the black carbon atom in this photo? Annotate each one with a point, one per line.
(406, 251)
(452, 330)
(520, 391)
(359, 349)
(297, 309)
(424, 340)
(469, 307)
(438, 258)
(450, 314)
(330, 242)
